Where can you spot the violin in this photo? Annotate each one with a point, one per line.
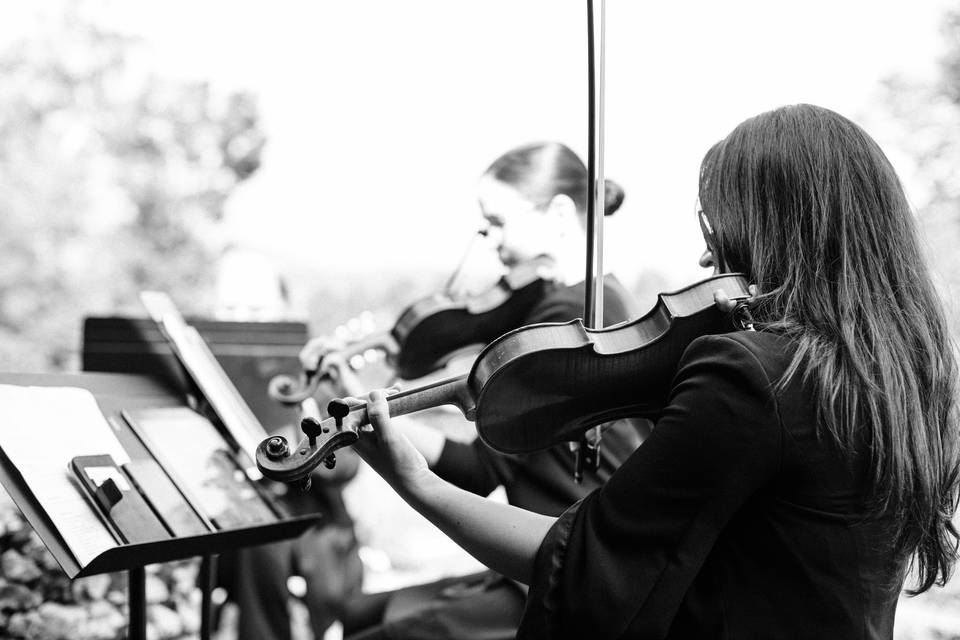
(543, 384)
(434, 330)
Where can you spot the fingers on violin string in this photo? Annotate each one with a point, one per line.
(307, 362)
(354, 402)
(315, 351)
(382, 393)
(310, 356)
(377, 405)
(331, 362)
(753, 290)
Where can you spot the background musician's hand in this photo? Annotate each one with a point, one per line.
(317, 349)
(385, 448)
(325, 355)
(341, 374)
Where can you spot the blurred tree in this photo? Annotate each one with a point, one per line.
(112, 180)
(925, 116)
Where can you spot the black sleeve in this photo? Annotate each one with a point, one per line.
(622, 559)
(566, 303)
(473, 467)
(560, 307)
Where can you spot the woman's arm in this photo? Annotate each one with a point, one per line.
(503, 537)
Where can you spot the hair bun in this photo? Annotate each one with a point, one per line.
(613, 196)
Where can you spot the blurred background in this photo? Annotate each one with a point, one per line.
(146, 145)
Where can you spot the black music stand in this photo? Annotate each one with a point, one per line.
(251, 353)
(113, 393)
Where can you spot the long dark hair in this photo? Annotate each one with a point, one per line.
(541, 170)
(805, 202)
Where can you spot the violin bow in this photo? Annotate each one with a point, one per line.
(588, 448)
(593, 302)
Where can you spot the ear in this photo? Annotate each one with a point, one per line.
(562, 206)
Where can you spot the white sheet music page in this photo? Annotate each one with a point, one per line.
(41, 430)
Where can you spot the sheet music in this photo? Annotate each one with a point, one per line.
(196, 356)
(41, 430)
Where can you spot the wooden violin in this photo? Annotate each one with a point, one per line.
(429, 332)
(434, 330)
(542, 384)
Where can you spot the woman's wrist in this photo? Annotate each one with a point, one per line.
(419, 486)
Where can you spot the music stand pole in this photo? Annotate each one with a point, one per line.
(137, 603)
(208, 572)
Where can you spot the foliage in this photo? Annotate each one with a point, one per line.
(113, 180)
(926, 118)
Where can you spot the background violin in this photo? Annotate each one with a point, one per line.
(542, 384)
(434, 330)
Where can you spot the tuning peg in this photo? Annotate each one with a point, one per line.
(312, 428)
(338, 410)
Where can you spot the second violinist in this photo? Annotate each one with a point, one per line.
(534, 200)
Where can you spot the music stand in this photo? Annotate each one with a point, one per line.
(113, 393)
(206, 386)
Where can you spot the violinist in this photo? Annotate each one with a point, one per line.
(534, 200)
(800, 468)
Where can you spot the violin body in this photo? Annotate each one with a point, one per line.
(545, 384)
(432, 331)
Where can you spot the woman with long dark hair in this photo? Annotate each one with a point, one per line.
(799, 470)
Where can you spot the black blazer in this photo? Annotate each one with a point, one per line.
(732, 520)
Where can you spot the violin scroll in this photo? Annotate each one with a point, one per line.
(277, 461)
(292, 391)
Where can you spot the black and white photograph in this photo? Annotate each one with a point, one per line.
(479, 320)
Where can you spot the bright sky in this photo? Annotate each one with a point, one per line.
(381, 114)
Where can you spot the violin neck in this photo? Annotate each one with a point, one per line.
(453, 391)
(450, 391)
